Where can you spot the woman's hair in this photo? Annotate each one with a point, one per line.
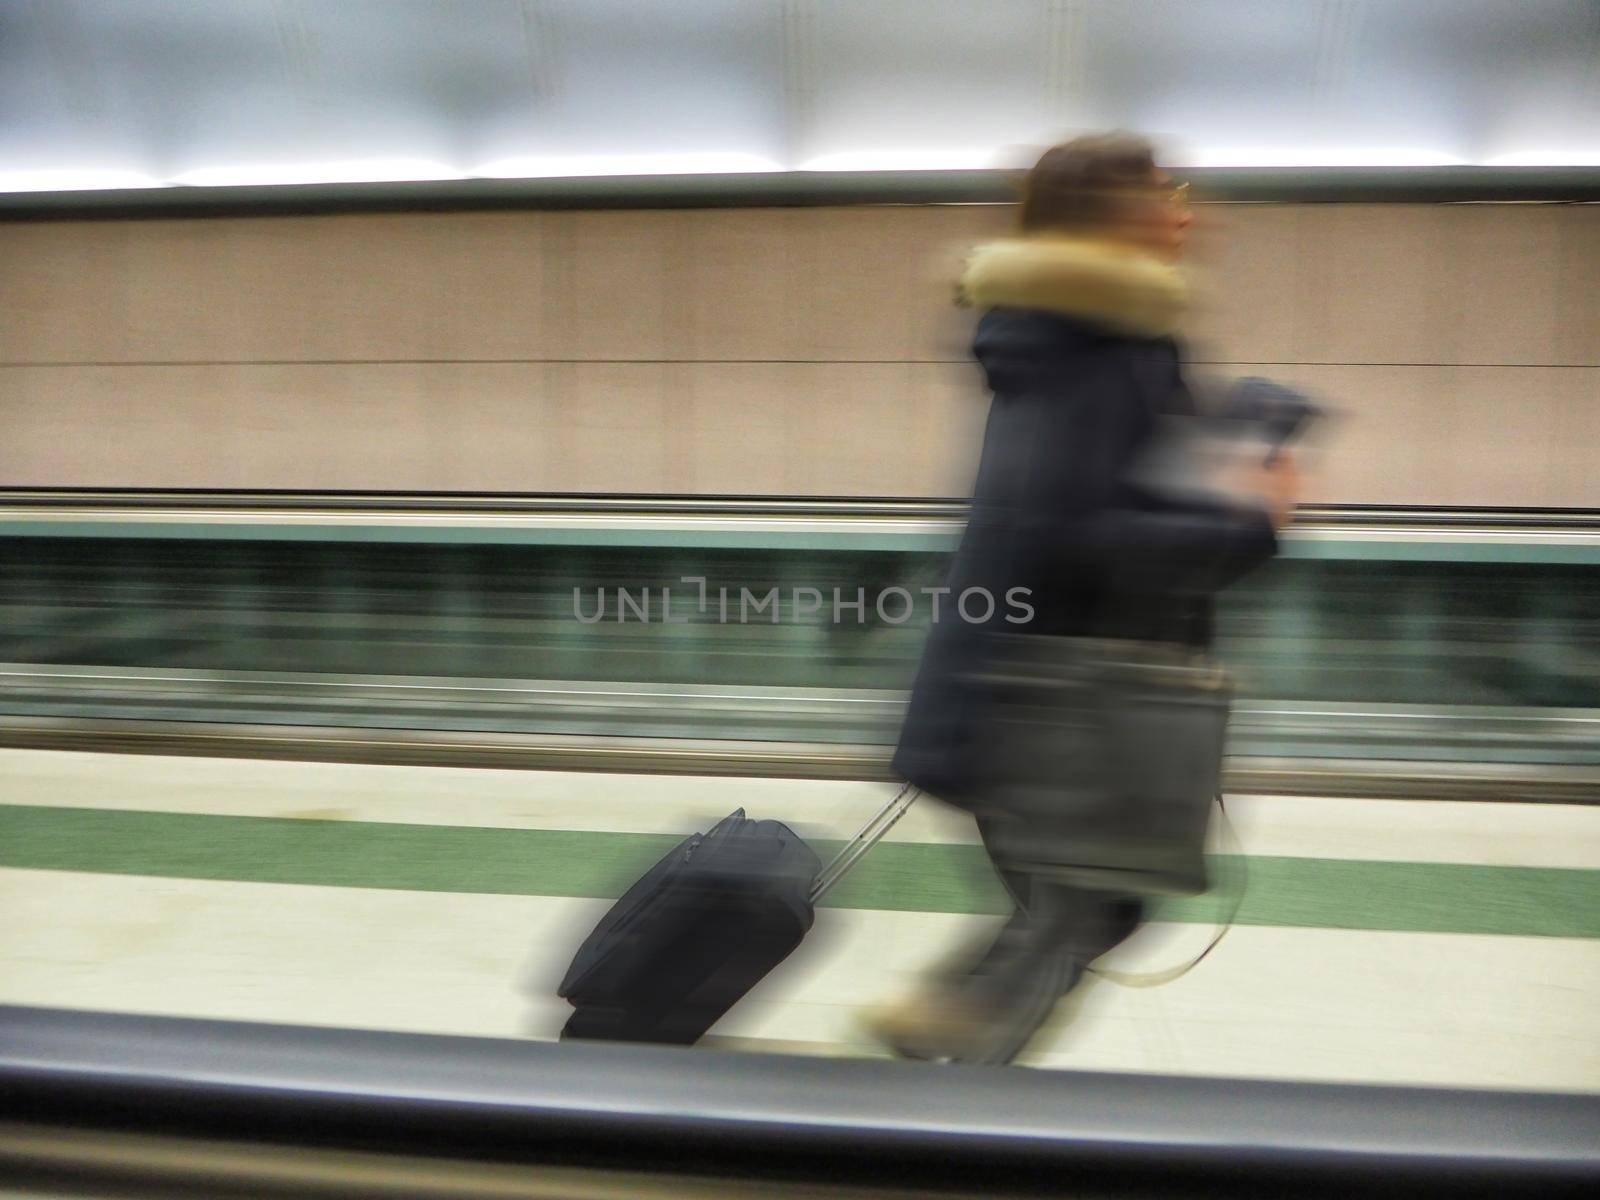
(1076, 186)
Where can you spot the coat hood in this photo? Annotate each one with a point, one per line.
(1121, 288)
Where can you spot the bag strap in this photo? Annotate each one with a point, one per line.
(856, 848)
(1157, 978)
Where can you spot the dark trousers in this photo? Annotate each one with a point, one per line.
(1039, 955)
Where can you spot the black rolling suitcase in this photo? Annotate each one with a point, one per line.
(704, 926)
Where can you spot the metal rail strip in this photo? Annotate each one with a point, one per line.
(765, 1117)
(1343, 777)
(929, 526)
(1514, 734)
(114, 500)
(1442, 184)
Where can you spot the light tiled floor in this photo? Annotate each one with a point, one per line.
(1333, 1004)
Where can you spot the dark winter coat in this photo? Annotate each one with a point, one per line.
(1079, 390)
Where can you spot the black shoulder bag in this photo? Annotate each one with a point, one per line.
(1100, 758)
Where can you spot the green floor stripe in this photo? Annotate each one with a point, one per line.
(908, 876)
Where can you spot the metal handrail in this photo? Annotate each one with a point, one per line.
(737, 1114)
(1366, 185)
(110, 502)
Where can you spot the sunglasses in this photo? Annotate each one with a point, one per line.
(1177, 195)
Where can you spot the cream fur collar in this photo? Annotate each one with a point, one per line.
(1123, 288)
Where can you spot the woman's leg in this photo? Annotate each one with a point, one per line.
(1038, 956)
(953, 1004)
(989, 1004)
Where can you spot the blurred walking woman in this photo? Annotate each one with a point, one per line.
(1076, 341)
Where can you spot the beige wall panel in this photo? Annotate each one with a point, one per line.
(742, 440)
(251, 426)
(494, 284)
(1576, 480)
(860, 289)
(1246, 259)
(1496, 274)
(1403, 435)
(1310, 283)
(1384, 444)
(615, 279)
(1496, 433)
(1579, 285)
(801, 351)
(847, 430)
(835, 429)
(295, 289)
(755, 428)
(1365, 290)
(1467, 284)
(615, 427)
(943, 236)
(741, 286)
(110, 426)
(244, 426)
(157, 291)
(766, 284)
(45, 288)
(431, 286)
(806, 429)
(121, 291)
(1461, 436)
(327, 424)
(276, 289)
(502, 426)
(950, 409)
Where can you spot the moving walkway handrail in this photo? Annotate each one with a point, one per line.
(752, 1114)
(22, 503)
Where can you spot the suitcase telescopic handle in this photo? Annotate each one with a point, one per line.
(856, 848)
